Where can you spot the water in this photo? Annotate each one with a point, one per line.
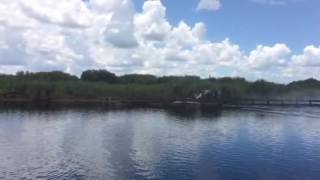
(262, 143)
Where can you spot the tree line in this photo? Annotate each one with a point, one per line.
(103, 83)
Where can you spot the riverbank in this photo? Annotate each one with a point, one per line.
(109, 103)
(185, 92)
(183, 105)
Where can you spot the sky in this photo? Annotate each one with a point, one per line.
(276, 40)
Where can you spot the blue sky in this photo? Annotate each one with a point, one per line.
(249, 24)
(276, 40)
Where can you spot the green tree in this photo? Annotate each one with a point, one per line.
(138, 78)
(99, 76)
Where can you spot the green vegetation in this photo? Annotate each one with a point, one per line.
(99, 76)
(95, 84)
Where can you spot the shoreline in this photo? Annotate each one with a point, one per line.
(117, 103)
(105, 103)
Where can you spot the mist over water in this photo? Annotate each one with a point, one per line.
(257, 143)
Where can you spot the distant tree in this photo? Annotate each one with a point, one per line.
(49, 76)
(99, 76)
(138, 78)
(305, 84)
(262, 87)
(231, 80)
(176, 79)
(20, 73)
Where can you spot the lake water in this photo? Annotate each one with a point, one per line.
(266, 144)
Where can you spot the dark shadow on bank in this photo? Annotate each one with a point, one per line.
(194, 114)
(45, 105)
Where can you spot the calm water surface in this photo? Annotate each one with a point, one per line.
(266, 144)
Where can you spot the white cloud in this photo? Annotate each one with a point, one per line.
(103, 6)
(120, 31)
(12, 52)
(71, 13)
(75, 35)
(185, 36)
(151, 23)
(268, 57)
(310, 57)
(211, 5)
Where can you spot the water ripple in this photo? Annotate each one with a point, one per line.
(259, 143)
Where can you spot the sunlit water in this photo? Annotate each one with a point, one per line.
(266, 144)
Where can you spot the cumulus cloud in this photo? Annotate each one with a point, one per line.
(211, 5)
(76, 35)
(120, 31)
(310, 57)
(265, 57)
(71, 13)
(151, 23)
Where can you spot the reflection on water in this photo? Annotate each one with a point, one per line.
(158, 144)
